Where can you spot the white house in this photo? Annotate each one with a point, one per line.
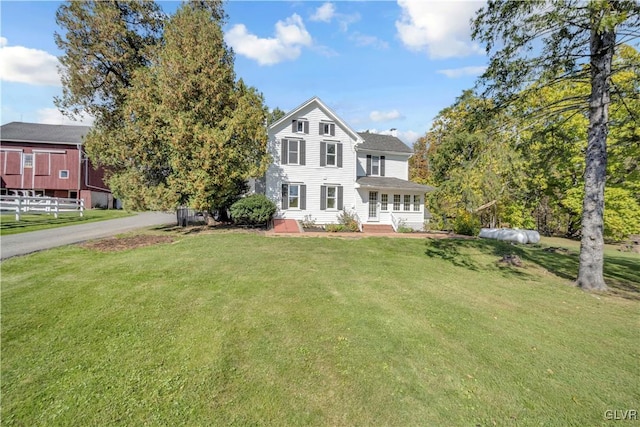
(322, 166)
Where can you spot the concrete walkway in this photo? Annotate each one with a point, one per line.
(25, 243)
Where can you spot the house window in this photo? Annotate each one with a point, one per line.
(332, 198)
(396, 202)
(300, 126)
(294, 196)
(384, 202)
(407, 202)
(293, 152)
(327, 129)
(63, 174)
(27, 161)
(375, 165)
(331, 154)
(416, 203)
(73, 194)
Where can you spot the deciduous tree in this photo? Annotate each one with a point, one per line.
(544, 41)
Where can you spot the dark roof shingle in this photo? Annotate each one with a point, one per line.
(377, 142)
(36, 132)
(384, 182)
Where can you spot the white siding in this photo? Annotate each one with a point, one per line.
(396, 165)
(312, 174)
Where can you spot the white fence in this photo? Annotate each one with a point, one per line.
(37, 205)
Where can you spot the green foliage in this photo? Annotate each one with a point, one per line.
(530, 42)
(104, 43)
(348, 220)
(153, 345)
(402, 227)
(467, 224)
(186, 132)
(254, 210)
(518, 216)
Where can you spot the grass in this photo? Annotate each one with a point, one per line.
(33, 222)
(231, 328)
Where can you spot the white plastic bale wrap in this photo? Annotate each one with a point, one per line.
(510, 235)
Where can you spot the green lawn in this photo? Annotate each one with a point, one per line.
(238, 328)
(9, 225)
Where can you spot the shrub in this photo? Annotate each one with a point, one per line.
(348, 220)
(467, 224)
(308, 222)
(335, 228)
(402, 226)
(253, 210)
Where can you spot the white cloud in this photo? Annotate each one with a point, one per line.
(453, 73)
(53, 116)
(324, 13)
(384, 116)
(291, 35)
(440, 28)
(25, 65)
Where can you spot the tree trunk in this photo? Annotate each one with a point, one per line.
(590, 272)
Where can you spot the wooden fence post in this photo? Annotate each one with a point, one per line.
(56, 203)
(18, 208)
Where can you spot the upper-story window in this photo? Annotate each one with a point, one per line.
(27, 161)
(375, 165)
(292, 152)
(328, 129)
(330, 154)
(300, 126)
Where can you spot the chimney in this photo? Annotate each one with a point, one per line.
(394, 132)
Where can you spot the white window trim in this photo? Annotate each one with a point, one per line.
(300, 123)
(297, 151)
(406, 207)
(295, 208)
(384, 204)
(373, 173)
(335, 154)
(416, 203)
(24, 160)
(393, 206)
(335, 197)
(60, 174)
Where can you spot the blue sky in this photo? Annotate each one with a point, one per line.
(377, 64)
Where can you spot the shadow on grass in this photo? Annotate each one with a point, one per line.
(621, 273)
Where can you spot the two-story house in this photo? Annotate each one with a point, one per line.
(49, 160)
(322, 166)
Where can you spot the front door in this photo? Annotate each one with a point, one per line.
(373, 205)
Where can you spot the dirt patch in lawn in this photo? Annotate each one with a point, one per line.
(112, 244)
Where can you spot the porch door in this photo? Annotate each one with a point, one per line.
(373, 205)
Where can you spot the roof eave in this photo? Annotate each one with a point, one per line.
(27, 141)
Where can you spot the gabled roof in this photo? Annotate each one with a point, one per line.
(384, 182)
(377, 142)
(39, 133)
(328, 111)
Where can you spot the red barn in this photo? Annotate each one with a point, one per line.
(49, 160)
